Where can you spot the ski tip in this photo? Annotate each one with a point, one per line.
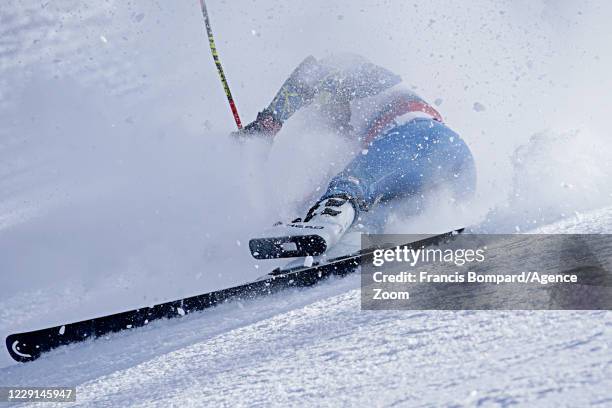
(21, 351)
(287, 247)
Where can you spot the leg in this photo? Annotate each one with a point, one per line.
(407, 160)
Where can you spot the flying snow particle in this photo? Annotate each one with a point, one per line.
(103, 39)
(62, 330)
(308, 261)
(180, 311)
(479, 107)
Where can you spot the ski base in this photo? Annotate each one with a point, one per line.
(28, 346)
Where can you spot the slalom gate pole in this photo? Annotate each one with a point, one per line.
(215, 55)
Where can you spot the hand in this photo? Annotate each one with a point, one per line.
(265, 125)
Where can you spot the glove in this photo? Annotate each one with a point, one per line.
(265, 125)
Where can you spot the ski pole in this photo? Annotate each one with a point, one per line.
(215, 55)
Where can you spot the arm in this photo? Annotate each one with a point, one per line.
(295, 93)
(327, 82)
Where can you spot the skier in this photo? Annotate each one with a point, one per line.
(408, 151)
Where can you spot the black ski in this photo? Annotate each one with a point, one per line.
(29, 346)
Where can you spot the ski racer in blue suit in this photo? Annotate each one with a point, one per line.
(408, 150)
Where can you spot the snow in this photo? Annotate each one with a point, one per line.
(120, 188)
(303, 347)
(308, 261)
(309, 346)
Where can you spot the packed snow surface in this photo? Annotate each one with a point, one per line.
(313, 346)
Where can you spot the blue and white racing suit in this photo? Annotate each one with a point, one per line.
(407, 149)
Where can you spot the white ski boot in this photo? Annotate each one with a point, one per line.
(323, 226)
